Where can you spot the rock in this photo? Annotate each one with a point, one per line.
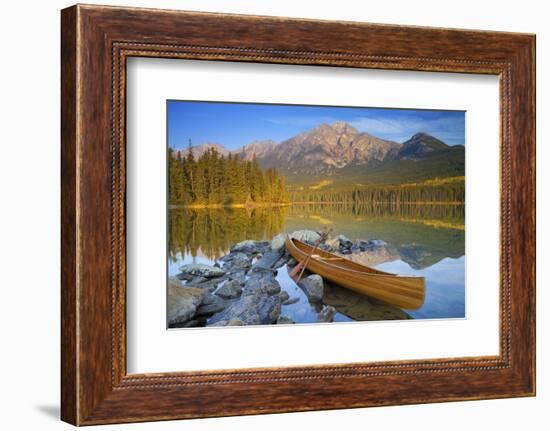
(255, 309)
(332, 242)
(269, 309)
(285, 320)
(284, 296)
(210, 298)
(291, 262)
(174, 282)
(264, 282)
(235, 322)
(313, 287)
(305, 235)
(219, 323)
(238, 260)
(344, 241)
(327, 314)
(239, 275)
(198, 280)
(207, 310)
(199, 270)
(210, 285)
(230, 289)
(327, 247)
(248, 246)
(371, 244)
(267, 261)
(278, 242)
(189, 324)
(182, 303)
(282, 261)
(231, 322)
(291, 301)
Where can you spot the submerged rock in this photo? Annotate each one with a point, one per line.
(199, 270)
(313, 287)
(182, 303)
(326, 315)
(305, 235)
(285, 320)
(284, 296)
(291, 301)
(230, 289)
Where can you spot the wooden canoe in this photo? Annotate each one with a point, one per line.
(406, 292)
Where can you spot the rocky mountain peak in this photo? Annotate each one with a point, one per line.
(421, 145)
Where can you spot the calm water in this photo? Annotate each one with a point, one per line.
(426, 240)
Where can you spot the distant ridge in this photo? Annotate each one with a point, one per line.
(341, 152)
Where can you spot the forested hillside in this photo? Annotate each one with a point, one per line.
(213, 179)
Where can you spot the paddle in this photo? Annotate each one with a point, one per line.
(301, 266)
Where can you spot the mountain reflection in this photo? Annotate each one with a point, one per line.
(420, 235)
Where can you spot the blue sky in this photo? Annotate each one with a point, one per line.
(236, 124)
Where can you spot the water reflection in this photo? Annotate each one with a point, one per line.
(426, 240)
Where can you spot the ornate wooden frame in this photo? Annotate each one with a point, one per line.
(95, 42)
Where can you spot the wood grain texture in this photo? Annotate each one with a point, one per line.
(96, 41)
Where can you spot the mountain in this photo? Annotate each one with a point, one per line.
(421, 145)
(340, 155)
(328, 147)
(260, 149)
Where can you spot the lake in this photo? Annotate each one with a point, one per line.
(423, 240)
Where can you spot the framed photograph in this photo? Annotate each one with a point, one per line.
(258, 208)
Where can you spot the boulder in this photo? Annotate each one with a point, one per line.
(198, 280)
(238, 260)
(209, 309)
(344, 241)
(309, 236)
(268, 260)
(239, 275)
(235, 322)
(285, 320)
(326, 315)
(199, 270)
(313, 287)
(371, 244)
(248, 246)
(174, 282)
(189, 324)
(278, 242)
(255, 309)
(230, 289)
(263, 282)
(182, 303)
(231, 322)
(332, 242)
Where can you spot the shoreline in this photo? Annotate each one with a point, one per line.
(272, 205)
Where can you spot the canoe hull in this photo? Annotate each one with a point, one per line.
(400, 291)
